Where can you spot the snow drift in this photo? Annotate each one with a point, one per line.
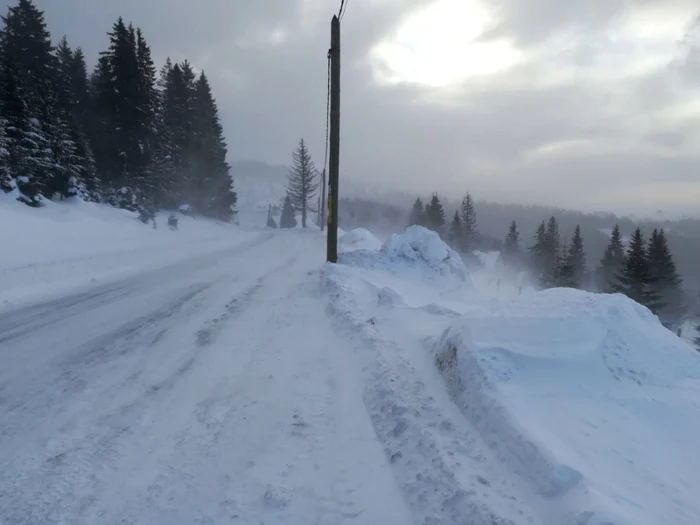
(358, 239)
(59, 247)
(589, 398)
(418, 250)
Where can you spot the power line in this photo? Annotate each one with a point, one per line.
(343, 9)
(328, 110)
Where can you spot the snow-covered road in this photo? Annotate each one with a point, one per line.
(211, 390)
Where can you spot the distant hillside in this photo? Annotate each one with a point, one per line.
(386, 211)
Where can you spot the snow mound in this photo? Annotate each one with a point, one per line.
(588, 398)
(358, 239)
(417, 250)
(390, 297)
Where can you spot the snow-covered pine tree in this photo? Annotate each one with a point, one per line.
(146, 104)
(511, 249)
(612, 262)
(27, 95)
(470, 233)
(6, 182)
(214, 195)
(302, 183)
(116, 141)
(435, 215)
(665, 280)
(635, 280)
(577, 259)
(456, 233)
(71, 151)
(288, 218)
(539, 255)
(417, 216)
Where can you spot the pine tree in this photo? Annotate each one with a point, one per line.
(635, 280)
(302, 183)
(456, 233)
(435, 215)
(612, 262)
(288, 218)
(551, 254)
(28, 98)
(214, 195)
(468, 224)
(565, 276)
(119, 141)
(577, 259)
(539, 255)
(511, 249)
(666, 283)
(417, 216)
(6, 182)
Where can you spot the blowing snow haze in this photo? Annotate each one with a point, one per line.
(591, 105)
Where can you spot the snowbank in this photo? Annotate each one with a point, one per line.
(358, 239)
(589, 399)
(417, 251)
(61, 246)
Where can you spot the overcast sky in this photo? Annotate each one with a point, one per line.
(591, 104)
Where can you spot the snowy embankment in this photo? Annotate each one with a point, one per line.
(559, 407)
(63, 247)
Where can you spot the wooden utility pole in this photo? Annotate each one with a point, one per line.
(322, 200)
(334, 160)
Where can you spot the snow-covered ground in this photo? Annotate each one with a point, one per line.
(224, 374)
(558, 407)
(205, 386)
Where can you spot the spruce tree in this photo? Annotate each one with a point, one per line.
(635, 280)
(539, 255)
(456, 233)
(551, 254)
(288, 218)
(435, 215)
(301, 182)
(6, 182)
(468, 213)
(665, 280)
(577, 259)
(119, 147)
(214, 195)
(28, 98)
(417, 216)
(565, 277)
(511, 249)
(612, 262)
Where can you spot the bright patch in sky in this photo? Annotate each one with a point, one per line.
(437, 46)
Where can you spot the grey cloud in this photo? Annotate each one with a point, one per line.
(483, 136)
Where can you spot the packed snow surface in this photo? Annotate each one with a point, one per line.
(557, 407)
(202, 376)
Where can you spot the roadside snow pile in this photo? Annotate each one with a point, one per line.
(358, 239)
(589, 399)
(418, 250)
